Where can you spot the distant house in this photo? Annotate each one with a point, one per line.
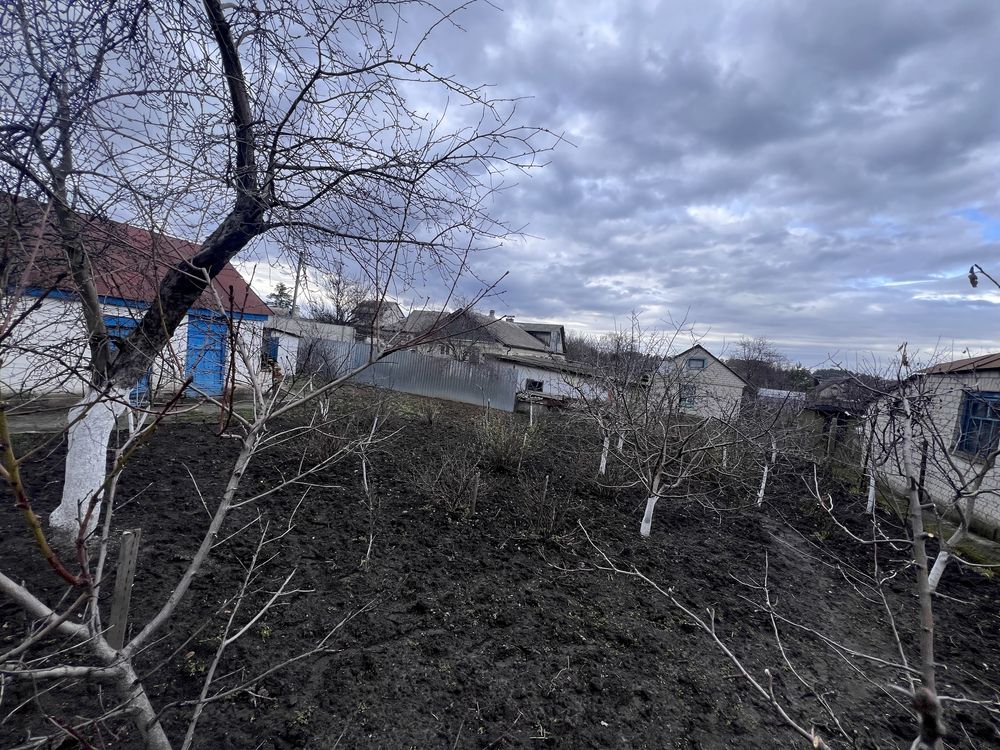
(376, 316)
(48, 353)
(468, 336)
(702, 384)
(959, 405)
(549, 380)
(293, 342)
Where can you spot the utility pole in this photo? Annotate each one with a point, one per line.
(295, 287)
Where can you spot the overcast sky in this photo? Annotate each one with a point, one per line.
(820, 173)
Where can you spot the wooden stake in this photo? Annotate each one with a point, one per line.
(475, 494)
(127, 557)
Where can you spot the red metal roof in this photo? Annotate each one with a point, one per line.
(129, 263)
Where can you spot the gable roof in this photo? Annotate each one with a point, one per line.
(702, 350)
(129, 263)
(366, 310)
(532, 328)
(969, 364)
(472, 327)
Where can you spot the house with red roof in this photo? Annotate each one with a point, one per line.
(224, 338)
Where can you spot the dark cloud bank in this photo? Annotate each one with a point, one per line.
(819, 173)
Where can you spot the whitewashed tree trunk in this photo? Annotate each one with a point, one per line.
(621, 442)
(90, 424)
(647, 519)
(940, 563)
(767, 470)
(870, 508)
(763, 485)
(604, 457)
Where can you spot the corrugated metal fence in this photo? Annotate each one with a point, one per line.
(420, 374)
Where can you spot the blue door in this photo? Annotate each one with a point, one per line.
(206, 355)
(120, 326)
(272, 346)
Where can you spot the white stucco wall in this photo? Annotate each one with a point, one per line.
(946, 472)
(47, 353)
(288, 352)
(554, 382)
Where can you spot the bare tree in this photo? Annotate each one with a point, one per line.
(207, 119)
(662, 425)
(288, 128)
(341, 296)
(758, 360)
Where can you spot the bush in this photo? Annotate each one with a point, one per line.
(503, 440)
(452, 481)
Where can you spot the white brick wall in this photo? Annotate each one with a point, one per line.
(942, 397)
(717, 390)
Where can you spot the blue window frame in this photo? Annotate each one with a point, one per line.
(979, 428)
(269, 352)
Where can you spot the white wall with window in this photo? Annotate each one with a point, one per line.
(47, 353)
(550, 381)
(964, 409)
(704, 386)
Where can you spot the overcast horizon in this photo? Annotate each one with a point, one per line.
(819, 174)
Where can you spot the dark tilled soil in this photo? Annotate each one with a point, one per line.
(500, 630)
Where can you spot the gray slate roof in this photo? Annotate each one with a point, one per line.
(472, 327)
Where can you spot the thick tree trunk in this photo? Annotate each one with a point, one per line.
(90, 424)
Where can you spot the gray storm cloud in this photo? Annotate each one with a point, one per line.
(804, 171)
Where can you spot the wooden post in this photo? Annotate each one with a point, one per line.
(541, 509)
(127, 557)
(475, 494)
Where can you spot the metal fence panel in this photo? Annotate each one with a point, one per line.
(420, 374)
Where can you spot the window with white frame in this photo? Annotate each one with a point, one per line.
(696, 363)
(979, 423)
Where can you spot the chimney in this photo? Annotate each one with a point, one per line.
(493, 314)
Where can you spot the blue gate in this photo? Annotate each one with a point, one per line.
(206, 355)
(118, 327)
